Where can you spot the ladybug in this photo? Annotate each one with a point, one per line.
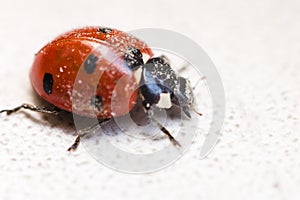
(56, 66)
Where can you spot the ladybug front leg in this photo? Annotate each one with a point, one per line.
(166, 132)
(149, 114)
(53, 110)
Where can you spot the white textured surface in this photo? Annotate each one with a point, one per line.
(254, 44)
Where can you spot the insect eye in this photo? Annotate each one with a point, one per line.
(158, 60)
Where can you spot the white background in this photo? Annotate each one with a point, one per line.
(255, 46)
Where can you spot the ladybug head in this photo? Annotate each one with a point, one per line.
(160, 86)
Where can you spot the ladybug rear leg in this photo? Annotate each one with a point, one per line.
(35, 108)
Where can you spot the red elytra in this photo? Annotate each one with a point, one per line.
(56, 66)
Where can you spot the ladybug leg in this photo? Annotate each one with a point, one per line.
(147, 108)
(35, 108)
(81, 133)
(198, 81)
(84, 132)
(165, 131)
(74, 146)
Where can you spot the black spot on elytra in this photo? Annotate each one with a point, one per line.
(97, 101)
(104, 30)
(90, 63)
(133, 57)
(48, 83)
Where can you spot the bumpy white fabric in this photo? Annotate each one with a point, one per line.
(255, 46)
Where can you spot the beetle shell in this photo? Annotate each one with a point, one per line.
(56, 67)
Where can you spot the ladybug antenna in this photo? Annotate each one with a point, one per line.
(198, 81)
(183, 68)
(197, 112)
(192, 107)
